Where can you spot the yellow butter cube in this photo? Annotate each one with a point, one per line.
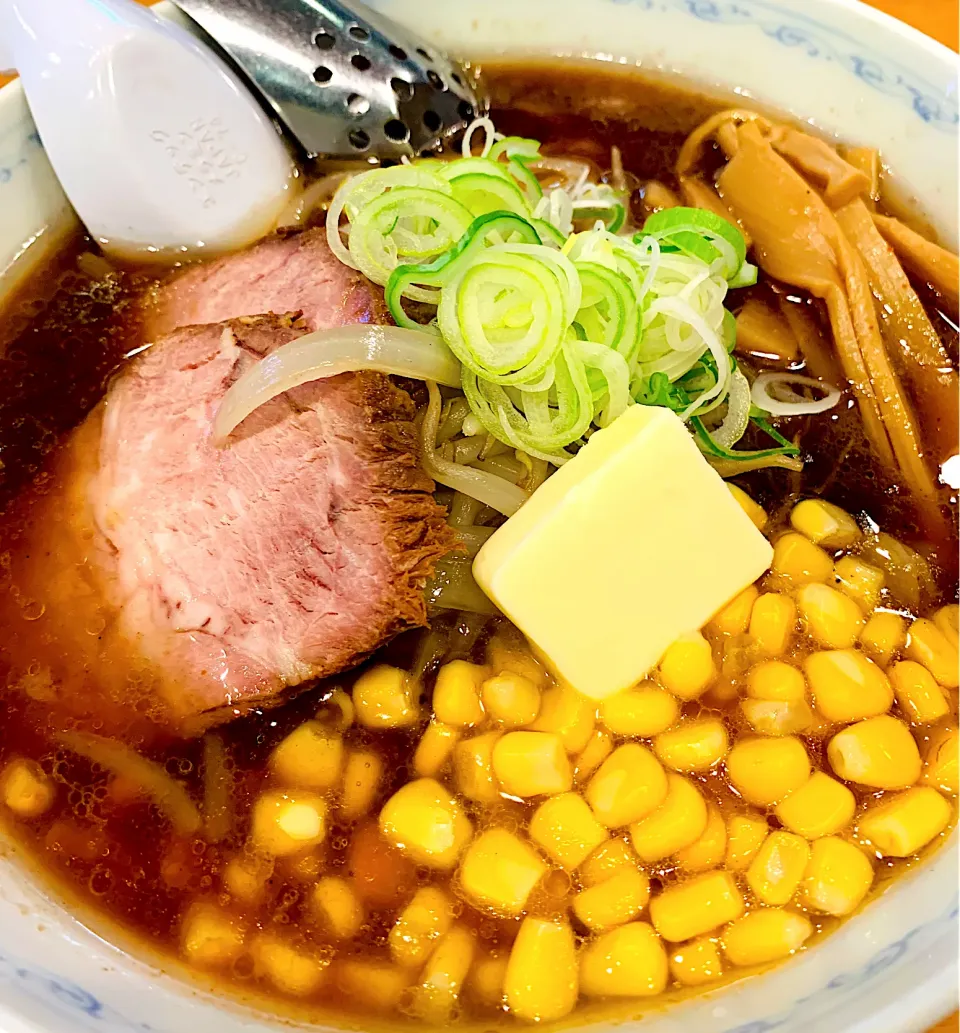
(564, 712)
(424, 821)
(775, 873)
(695, 906)
(679, 821)
(420, 925)
(473, 768)
(862, 582)
(940, 761)
(310, 756)
(285, 823)
(26, 789)
(765, 770)
(456, 694)
(627, 962)
(385, 697)
(298, 973)
(499, 871)
(708, 851)
(847, 686)
(765, 935)
(879, 752)
(361, 781)
(435, 748)
(920, 697)
(883, 635)
(773, 623)
(511, 700)
(592, 756)
(586, 534)
(820, 807)
(211, 937)
(754, 510)
(830, 618)
(435, 997)
(336, 904)
(642, 712)
(532, 764)
(380, 986)
(902, 825)
(928, 645)
(629, 784)
(618, 899)
(614, 856)
(695, 745)
(565, 829)
(687, 668)
(797, 561)
(745, 836)
(775, 680)
(696, 963)
(542, 980)
(824, 524)
(837, 877)
(778, 717)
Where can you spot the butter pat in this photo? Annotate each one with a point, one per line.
(631, 544)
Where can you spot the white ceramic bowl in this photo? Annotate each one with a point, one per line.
(850, 71)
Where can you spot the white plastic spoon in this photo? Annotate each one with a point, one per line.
(157, 144)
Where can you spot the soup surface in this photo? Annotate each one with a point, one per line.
(447, 834)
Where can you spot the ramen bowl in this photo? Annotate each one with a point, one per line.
(847, 71)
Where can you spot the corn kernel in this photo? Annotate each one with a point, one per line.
(510, 657)
(247, 875)
(337, 711)
(824, 524)
(947, 619)
(775, 873)
(695, 906)
(499, 871)
(420, 925)
(532, 764)
(940, 761)
(566, 830)
(679, 821)
(361, 780)
(629, 784)
(473, 768)
(616, 900)
(920, 697)
(625, 962)
(542, 982)
(510, 699)
(379, 985)
(456, 694)
(832, 619)
(435, 749)
(706, 852)
(745, 836)
(696, 963)
(309, 757)
(773, 622)
(765, 770)
(26, 789)
(846, 685)
(754, 510)
(883, 635)
(486, 980)
(384, 697)
(837, 877)
(424, 821)
(335, 903)
(775, 680)
(799, 561)
(564, 712)
(860, 581)
(286, 823)
(820, 807)
(614, 856)
(211, 937)
(878, 752)
(643, 712)
(291, 971)
(435, 997)
(592, 756)
(928, 645)
(734, 618)
(764, 936)
(687, 668)
(777, 717)
(904, 824)
(695, 745)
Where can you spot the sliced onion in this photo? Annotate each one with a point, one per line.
(773, 393)
(327, 353)
(738, 413)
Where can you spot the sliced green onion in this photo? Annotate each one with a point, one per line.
(482, 193)
(514, 147)
(701, 234)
